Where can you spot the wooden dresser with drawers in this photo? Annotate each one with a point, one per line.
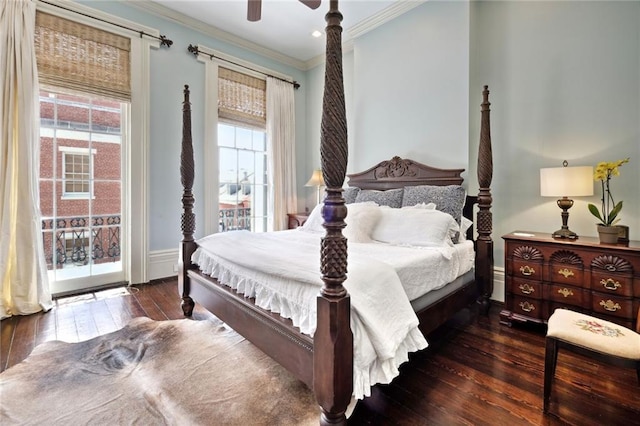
(543, 273)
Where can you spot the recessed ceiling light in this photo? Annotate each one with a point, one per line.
(316, 34)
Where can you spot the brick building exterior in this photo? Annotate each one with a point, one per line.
(87, 224)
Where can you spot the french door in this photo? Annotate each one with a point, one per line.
(81, 190)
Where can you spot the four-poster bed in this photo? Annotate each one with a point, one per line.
(325, 362)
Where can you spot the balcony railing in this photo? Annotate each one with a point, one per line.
(234, 219)
(76, 241)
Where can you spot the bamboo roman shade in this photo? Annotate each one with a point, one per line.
(79, 57)
(241, 98)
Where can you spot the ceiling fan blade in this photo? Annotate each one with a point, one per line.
(254, 10)
(313, 4)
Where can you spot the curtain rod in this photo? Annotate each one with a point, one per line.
(164, 41)
(194, 49)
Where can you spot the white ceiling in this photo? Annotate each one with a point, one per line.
(286, 25)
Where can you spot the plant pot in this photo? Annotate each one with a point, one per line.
(608, 234)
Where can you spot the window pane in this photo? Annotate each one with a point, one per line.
(243, 138)
(259, 141)
(228, 165)
(226, 135)
(260, 171)
(245, 165)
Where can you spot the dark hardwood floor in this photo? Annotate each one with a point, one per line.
(475, 371)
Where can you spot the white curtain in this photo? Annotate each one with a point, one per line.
(281, 137)
(23, 271)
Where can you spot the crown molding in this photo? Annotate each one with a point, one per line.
(383, 17)
(211, 31)
(73, 11)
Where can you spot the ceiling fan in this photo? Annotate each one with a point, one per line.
(254, 10)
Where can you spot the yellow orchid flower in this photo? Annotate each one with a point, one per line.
(603, 172)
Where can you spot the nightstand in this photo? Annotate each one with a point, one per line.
(297, 219)
(543, 273)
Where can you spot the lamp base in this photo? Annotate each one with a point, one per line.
(565, 204)
(565, 234)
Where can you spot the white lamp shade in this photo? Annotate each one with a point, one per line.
(316, 179)
(566, 181)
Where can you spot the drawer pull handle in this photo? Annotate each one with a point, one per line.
(527, 270)
(610, 284)
(527, 289)
(566, 272)
(610, 306)
(565, 292)
(527, 307)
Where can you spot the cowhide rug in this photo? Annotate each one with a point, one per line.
(179, 372)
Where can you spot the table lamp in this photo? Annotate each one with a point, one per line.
(318, 181)
(566, 182)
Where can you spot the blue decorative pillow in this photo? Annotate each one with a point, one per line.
(350, 193)
(391, 197)
(448, 199)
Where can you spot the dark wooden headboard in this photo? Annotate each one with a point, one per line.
(399, 172)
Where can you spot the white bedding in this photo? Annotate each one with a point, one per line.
(422, 269)
(282, 271)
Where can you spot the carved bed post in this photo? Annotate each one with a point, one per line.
(484, 268)
(333, 340)
(188, 223)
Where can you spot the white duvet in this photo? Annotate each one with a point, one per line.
(281, 270)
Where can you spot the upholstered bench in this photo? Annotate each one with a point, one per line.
(593, 337)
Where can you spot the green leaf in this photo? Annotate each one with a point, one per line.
(614, 213)
(594, 211)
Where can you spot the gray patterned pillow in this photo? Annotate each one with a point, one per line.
(449, 199)
(391, 197)
(350, 193)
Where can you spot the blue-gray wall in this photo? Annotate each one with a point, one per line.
(171, 69)
(565, 84)
(564, 80)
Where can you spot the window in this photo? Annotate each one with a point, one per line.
(242, 152)
(243, 187)
(77, 172)
(81, 139)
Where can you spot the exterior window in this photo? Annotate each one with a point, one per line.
(77, 163)
(76, 175)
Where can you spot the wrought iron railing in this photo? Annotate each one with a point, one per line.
(72, 241)
(234, 219)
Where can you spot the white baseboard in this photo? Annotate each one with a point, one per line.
(163, 263)
(498, 285)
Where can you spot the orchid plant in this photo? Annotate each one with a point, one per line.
(609, 210)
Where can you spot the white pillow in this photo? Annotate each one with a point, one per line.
(465, 224)
(415, 227)
(360, 220)
(314, 221)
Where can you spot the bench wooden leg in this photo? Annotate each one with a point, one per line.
(550, 361)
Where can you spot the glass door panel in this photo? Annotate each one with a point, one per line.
(81, 190)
